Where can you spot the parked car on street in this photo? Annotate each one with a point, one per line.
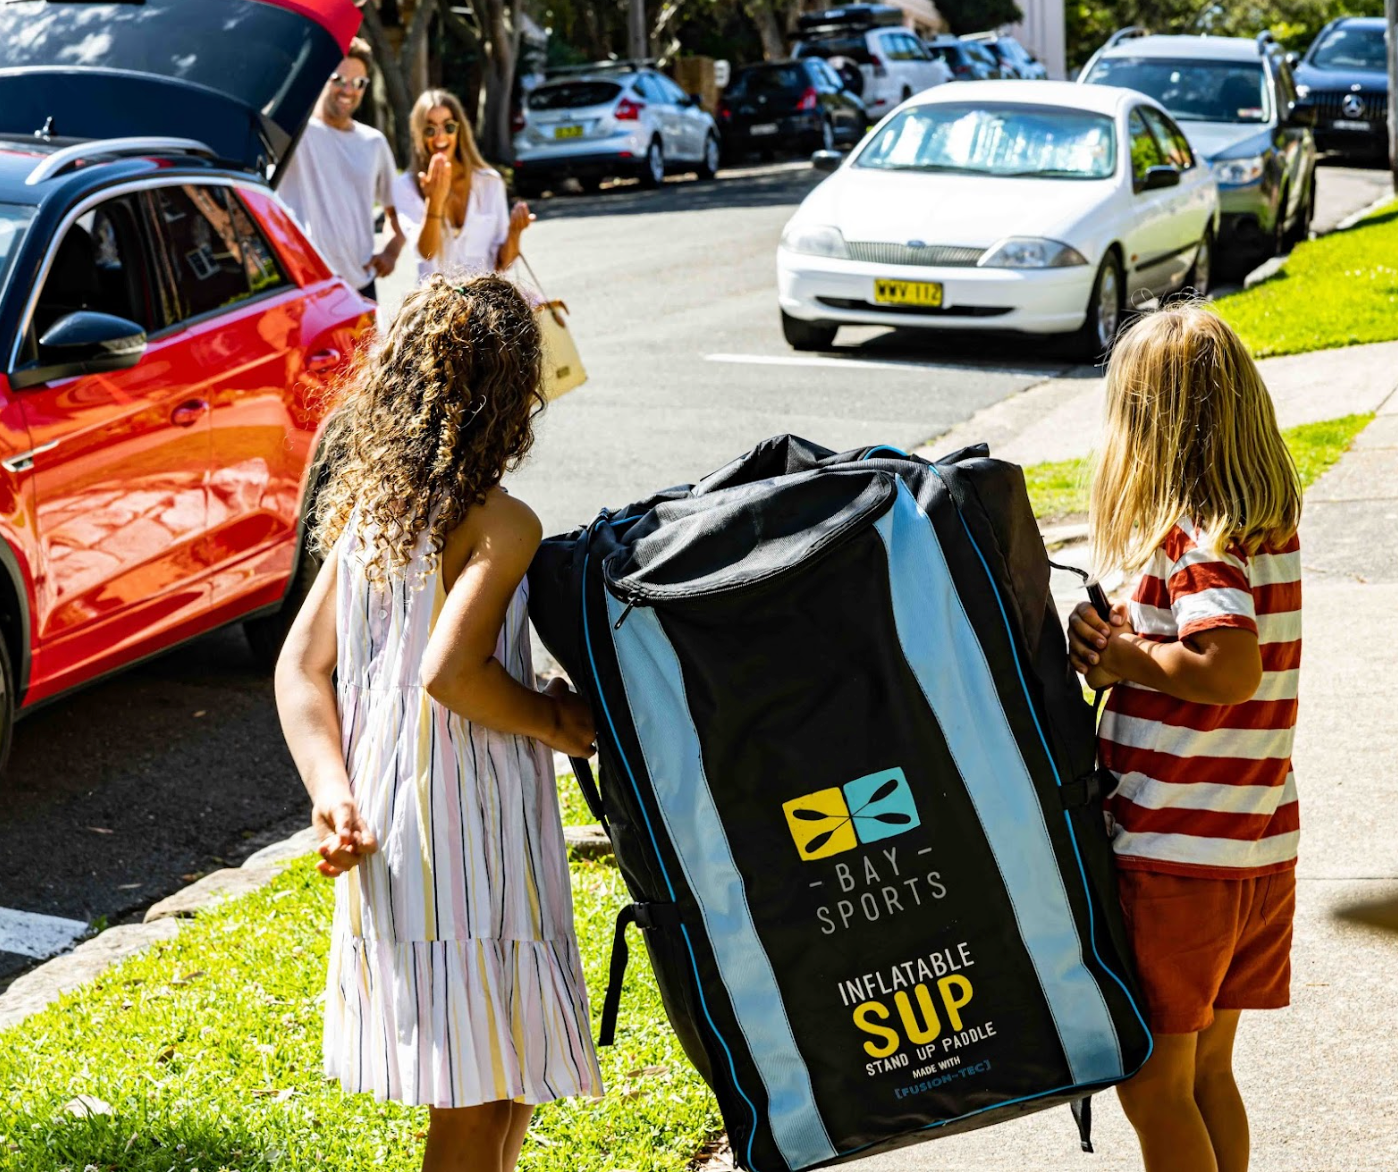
(167, 334)
(884, 63)
(610, 121)
(1344, 76)
(1240, 108)
(1037, 206)
(789, 106)
(967, 60)
(1014, 58)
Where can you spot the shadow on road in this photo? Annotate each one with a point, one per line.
(740, 188)
(1008, 352)
(115, 794)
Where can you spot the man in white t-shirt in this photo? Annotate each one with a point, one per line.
(337, 172)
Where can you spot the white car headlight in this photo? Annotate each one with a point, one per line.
(1236, 172)
(1302, 91)
(815, 240)
(1029, 252)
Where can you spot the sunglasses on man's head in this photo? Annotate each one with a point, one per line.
(358, 84)
(448, 127)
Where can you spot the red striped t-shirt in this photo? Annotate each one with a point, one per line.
(1207, 789)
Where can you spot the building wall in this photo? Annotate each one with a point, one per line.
(1042, 33)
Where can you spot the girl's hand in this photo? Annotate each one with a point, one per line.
(345, 837)
(1088, 634)
(573, 731)
(520, 218)
(436, 183)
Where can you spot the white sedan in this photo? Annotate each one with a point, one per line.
(1036, 206)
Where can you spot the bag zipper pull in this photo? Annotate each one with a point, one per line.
(621, 618)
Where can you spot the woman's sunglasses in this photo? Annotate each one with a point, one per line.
(450, 126)
(358, 84)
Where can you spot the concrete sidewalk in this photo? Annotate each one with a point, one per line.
(1318, 1078)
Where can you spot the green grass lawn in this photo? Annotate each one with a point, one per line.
(1337, 290)
(1058, 490)
(207, 1051)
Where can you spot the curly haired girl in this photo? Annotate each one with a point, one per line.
(408, 700)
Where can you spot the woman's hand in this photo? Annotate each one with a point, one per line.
(1088, 635)
(345, 838)
(436, 184)
(573, 731)
(520, 218)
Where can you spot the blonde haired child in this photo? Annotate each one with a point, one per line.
(1195, 491)
(407, 696)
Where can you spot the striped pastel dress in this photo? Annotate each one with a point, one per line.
(454, 971)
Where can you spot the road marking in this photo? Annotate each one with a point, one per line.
(39, 936)
(876, 364)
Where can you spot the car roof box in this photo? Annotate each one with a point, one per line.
(850, 18)
(240, 75)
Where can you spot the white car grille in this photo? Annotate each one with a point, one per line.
(879, 252)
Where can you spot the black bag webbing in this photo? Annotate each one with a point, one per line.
(591, 795)
(646, 916)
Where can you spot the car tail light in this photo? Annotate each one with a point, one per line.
(810, 100)
(724, 113)
(516, 121)
(877, 63)
(628, 110)
(961, 70)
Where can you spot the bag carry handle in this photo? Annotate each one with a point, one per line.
(646, 916)
(552, 306)
(591, 794)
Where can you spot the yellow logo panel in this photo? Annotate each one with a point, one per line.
(820, 824)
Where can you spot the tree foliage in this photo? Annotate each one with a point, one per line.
(974, 16)
(1294, 22)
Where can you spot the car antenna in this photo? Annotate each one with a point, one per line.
(46, 131)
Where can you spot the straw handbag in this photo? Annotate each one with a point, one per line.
(563, 366)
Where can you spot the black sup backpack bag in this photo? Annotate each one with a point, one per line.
(847, 774)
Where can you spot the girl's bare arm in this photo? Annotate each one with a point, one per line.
(311, 724)
(459, 670)
(1219, 666)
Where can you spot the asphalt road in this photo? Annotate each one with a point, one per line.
(119, 795)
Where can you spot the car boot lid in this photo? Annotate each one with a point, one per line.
(241, 76)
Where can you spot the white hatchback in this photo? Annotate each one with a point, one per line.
(1004, 205)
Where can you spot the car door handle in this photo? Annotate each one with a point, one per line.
(188, 414)
(323, 359)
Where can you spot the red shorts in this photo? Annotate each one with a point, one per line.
(1207, 944)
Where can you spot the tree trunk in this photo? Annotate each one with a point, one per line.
(399, 68)
(501, 50)
(769, 28)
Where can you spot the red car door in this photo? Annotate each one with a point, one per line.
(120, 468)
(264, 351)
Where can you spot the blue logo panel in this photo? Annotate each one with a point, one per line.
(881, 805)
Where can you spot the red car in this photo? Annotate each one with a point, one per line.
(167, 334)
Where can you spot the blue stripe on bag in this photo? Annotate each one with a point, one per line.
(670, 745)
(934, 631)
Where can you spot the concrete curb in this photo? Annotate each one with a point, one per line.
(41, 986)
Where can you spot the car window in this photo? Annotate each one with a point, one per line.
(900, 47)
(1146, 152)
(1351, 48)
(100, 264)
(825, 74)
(1193, 91)
(995, 139)
(669, 91)
(569, 95)
(14, 218)
(856, 48)
(768, 79)
(211, 252)
(1172, 142)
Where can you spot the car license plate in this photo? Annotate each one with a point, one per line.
(928, 293)
(567, 132)
(1346, 124)
(763, 128)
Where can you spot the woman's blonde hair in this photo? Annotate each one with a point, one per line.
(431, 419)
(467, 155)
(1190, 434)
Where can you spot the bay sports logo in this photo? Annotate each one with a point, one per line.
(832, 821)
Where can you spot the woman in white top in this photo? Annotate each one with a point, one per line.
(451, 203)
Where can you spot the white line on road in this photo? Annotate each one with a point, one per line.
(39, 936)
(870, 363)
